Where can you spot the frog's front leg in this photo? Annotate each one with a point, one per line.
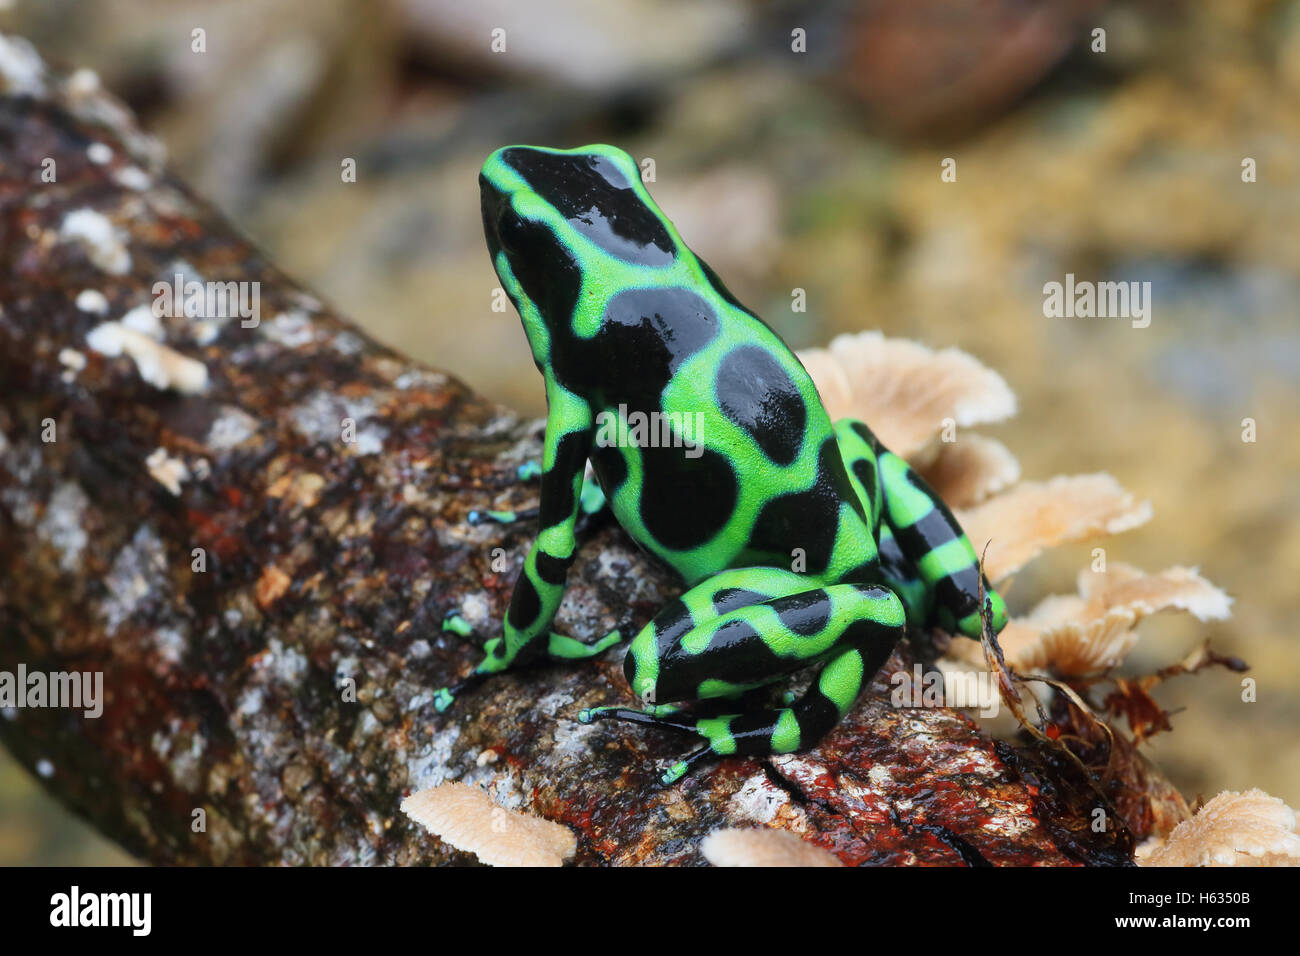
(591, 503)
(692, 653)
(540, 586)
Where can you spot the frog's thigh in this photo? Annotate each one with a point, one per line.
(761, 733)
(924, 554)
(853, 627)
(858, 450)
(709, 600)
(706, 655)
(859, 456)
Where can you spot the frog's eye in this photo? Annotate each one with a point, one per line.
(541, 263)
(522, 238)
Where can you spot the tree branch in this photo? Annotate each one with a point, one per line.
(325, 561)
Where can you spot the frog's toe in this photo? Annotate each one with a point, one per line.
(684, 766)
(658, 715)
(443, 698)
(589, 715)
(453, 622)
(670, 717)
(674, 773)
(479, 516)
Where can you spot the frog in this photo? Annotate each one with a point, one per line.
(800, 542)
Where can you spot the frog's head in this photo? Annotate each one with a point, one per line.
(554, 217)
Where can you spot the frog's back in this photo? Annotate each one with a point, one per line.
(712, 443)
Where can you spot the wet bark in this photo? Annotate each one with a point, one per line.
(233, 565)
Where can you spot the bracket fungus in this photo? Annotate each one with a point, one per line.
(1233, 829)
(904, 389)
(763, 847)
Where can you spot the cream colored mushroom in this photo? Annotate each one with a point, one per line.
(468, 819)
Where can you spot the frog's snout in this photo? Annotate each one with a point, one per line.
(642, 684)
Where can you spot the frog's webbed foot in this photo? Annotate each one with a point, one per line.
(659, 715)
(669, 716)
(478, 517)
(444, 697)
(684, 716)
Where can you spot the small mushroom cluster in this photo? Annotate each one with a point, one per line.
(468, 819)
(1233, 829)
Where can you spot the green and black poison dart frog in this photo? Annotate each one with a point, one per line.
(623, 318)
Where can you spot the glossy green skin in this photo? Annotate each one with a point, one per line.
(802, 542)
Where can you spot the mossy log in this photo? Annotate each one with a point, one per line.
(208, 538)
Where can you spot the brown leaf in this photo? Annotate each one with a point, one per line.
(1131, 700)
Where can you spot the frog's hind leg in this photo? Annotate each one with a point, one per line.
(723, 592)
(925, 556)
(863, 467)
(760, 733)
(700, 656)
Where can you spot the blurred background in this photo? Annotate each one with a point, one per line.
(818, 169)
